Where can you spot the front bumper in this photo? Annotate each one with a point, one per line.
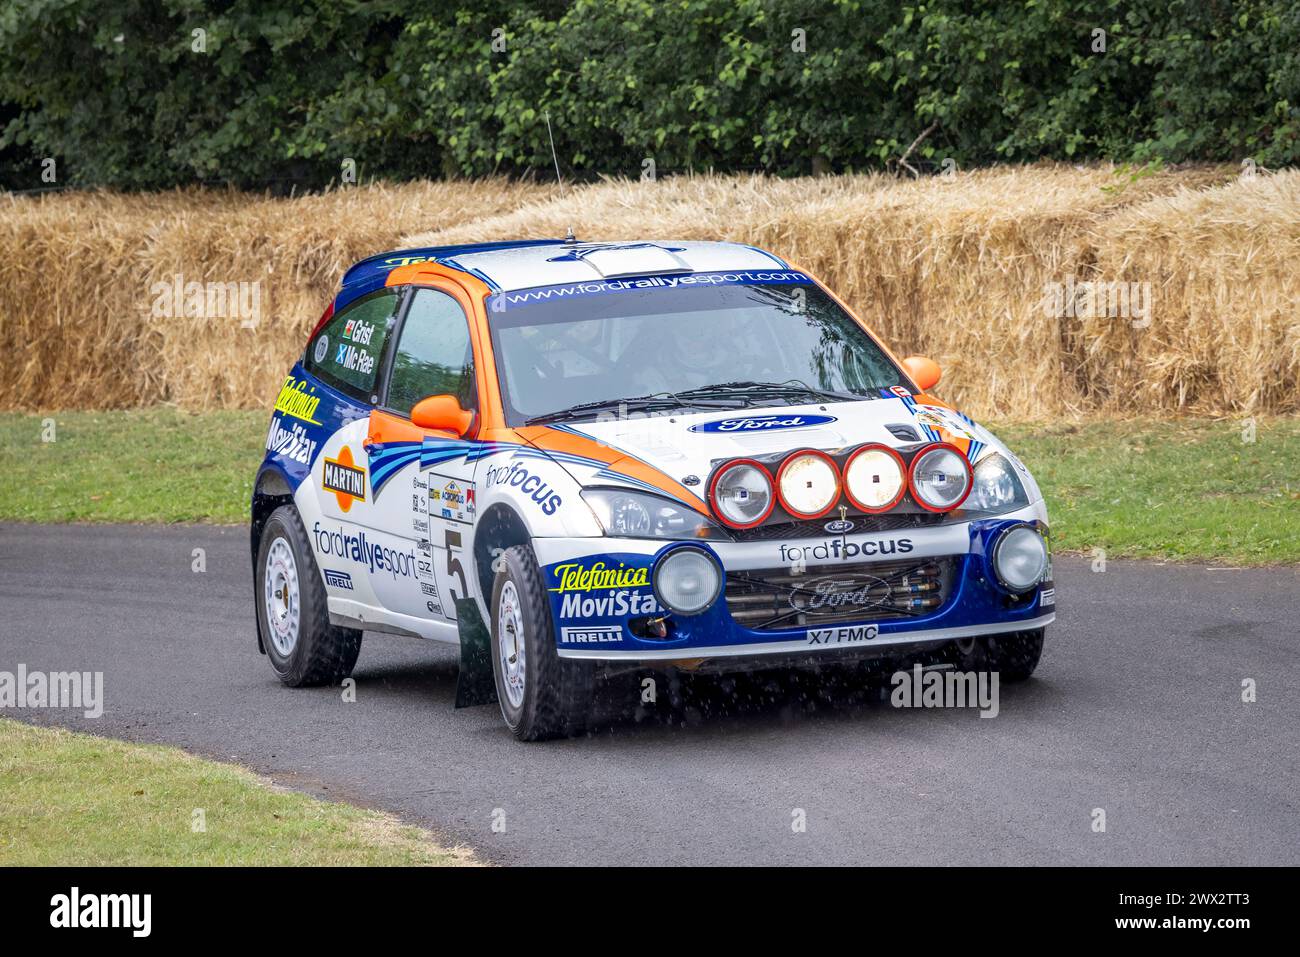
(601, 596)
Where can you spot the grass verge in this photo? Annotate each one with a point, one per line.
(75, 799)
(1185, 489)
(1172, 489)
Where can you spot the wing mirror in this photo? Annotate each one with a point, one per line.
(442, 413)
(924, 372)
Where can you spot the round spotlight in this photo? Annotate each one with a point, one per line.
(687, 580)
(808, 483)
(875, 478)
(741, 493)
(1020, 558)
(940, 477)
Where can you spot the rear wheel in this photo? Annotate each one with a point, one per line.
(542, 695)
(1014, 656)
(302, 645)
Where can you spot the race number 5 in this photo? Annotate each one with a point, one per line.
(453, 584)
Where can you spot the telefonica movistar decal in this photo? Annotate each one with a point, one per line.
(763, 423)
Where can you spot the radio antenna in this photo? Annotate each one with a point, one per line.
(554, 155)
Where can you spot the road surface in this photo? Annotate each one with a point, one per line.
(1136, 711)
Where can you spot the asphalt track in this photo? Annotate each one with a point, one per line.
(1136, 710)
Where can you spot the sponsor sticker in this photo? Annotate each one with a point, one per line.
(322, 349)
(342, 477)
(839, 549)
(450, 498)
(358, 548)
(762, 423)
(531, 485)
(338, 579)
(614, 604)
(576, 576)
(594, 635)
(297, 401)
(291, 443)
(1047, 598)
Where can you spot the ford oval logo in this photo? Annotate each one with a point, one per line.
(854, 592)
(839, 526)
(763, 423)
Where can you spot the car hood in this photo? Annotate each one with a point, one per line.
(686, 447)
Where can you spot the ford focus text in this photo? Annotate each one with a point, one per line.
(575, 458)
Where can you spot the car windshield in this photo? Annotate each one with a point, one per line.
(679, 342)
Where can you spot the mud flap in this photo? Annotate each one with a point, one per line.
(475, 683)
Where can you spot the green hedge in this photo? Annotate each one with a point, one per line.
(287, 89)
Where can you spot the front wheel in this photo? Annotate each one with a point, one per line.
(542, 695)
(1014, 656)
(292, 608)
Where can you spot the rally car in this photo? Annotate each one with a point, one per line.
(573, 458)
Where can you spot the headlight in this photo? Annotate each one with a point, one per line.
(940, 477)
(808, 483)
(1020, 558)
(640, 515)
(874, 478)
(741, 493)
(996, 488)
(687, 581)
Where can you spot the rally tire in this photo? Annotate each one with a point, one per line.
(314, 652)
(556, 694)
(1014, 655)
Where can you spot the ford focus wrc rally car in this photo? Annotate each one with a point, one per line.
(570, 457)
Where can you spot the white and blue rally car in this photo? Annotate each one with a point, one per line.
(581, 457)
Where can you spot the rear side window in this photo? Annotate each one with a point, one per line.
(346, 352)
(433, 356)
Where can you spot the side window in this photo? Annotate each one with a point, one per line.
(347, 350)
(434, 355)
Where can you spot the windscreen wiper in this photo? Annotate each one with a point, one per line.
(791, 387)
(660, 401)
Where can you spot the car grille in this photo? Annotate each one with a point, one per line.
(888, 522)
(777, 598)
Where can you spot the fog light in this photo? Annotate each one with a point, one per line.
(1020, 558)
(687, 581)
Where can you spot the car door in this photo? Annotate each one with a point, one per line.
(337, 505)
(425, 492)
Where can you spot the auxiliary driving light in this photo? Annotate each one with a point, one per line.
(741, 493)
(1020, 558)
(874, 478)
(808, 484)
(940, 477)
(687, 580)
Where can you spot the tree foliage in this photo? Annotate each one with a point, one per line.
(288, 90)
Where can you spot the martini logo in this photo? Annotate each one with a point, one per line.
(344, 479)
(763, 423)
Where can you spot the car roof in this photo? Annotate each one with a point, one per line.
(526, 264)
